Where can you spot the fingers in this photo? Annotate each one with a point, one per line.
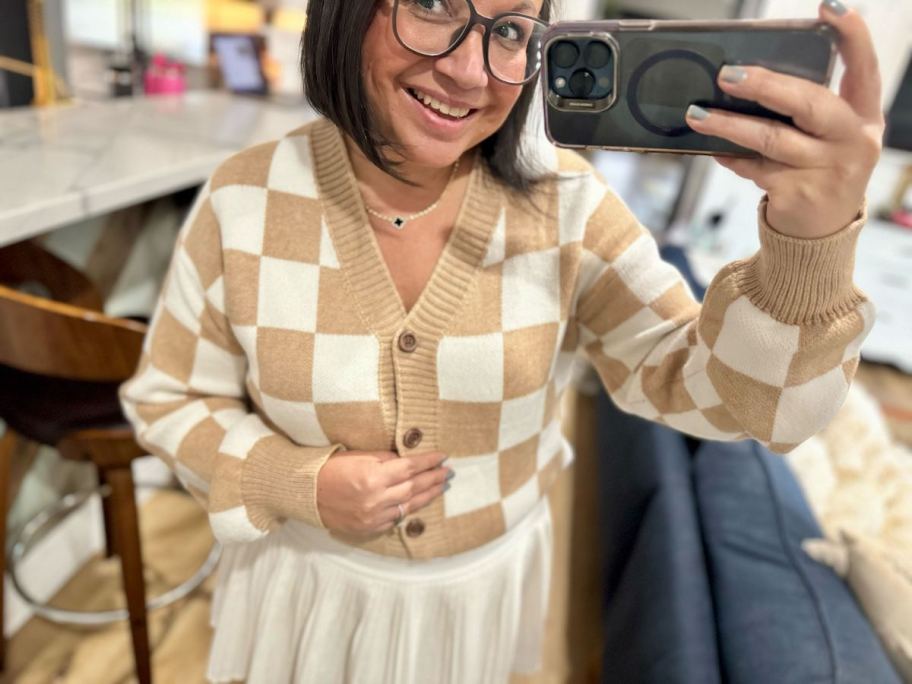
(815, 109)
(404, 491)
(391, 514)
(414, 494)
(861, 84)
(404, 468)
(772, 139)
(763, 172)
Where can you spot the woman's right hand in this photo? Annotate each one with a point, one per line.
(357, 491)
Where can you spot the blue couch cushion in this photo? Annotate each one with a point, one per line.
(658, 617)
(781, 616)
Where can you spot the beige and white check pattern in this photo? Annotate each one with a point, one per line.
(275, 343)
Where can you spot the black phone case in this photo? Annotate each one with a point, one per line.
(665, 66)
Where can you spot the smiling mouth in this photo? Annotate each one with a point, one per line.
(439, 108)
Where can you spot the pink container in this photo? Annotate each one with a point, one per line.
(164, 77)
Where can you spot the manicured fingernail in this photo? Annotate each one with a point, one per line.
(446, 486)
(835, 6)
(450, 475)
(733, 74)
(698, 113)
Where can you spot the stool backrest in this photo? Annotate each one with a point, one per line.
(66, 335)
(41, 336)
(27, 263)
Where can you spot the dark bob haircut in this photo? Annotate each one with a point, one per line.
(331, 51)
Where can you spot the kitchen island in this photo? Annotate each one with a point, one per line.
(60, 165)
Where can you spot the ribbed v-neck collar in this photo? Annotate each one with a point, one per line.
(360, 256)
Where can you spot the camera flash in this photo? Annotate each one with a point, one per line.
(605, 82)
(560, 82)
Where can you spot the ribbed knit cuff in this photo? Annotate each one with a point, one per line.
(799, 281)
(280, 481)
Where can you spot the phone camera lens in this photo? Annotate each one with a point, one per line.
(581, 83)
(565, 54)
(597, 55)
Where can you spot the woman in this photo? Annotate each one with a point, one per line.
(390, 286)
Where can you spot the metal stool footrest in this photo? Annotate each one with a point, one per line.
(50, 515)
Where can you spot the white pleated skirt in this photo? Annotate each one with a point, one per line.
(299, 606)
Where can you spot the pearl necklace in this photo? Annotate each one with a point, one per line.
(400, 221)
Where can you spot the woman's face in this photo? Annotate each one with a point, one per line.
(395, 79)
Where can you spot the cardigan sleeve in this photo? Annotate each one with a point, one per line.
(769, 355)
(188, 404)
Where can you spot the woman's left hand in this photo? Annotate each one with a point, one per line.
(817, 172)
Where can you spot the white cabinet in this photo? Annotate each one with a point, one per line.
(675, 9)
(576, 10)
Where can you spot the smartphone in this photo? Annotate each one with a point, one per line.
(626, 85)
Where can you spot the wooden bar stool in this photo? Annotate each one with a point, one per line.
(60, 368)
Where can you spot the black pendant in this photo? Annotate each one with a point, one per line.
(399, 222)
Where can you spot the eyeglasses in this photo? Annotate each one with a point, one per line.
(434, 28)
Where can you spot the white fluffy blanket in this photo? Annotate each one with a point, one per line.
(858, 479)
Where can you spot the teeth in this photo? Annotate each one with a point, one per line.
(455, 112)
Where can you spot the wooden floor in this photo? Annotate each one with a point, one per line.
(893, 391)
(176, 540)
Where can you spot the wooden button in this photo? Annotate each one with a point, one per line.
(415, 527)
(412, 438)
(408, 342)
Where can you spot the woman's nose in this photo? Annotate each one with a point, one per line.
(465, 65)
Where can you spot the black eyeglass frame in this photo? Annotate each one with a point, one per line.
(474, 19)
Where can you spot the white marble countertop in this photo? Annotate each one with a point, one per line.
(62, 164)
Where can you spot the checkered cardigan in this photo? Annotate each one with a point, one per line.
(280, 339)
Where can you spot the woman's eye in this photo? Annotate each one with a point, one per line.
(430, 6)
(511, 32)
